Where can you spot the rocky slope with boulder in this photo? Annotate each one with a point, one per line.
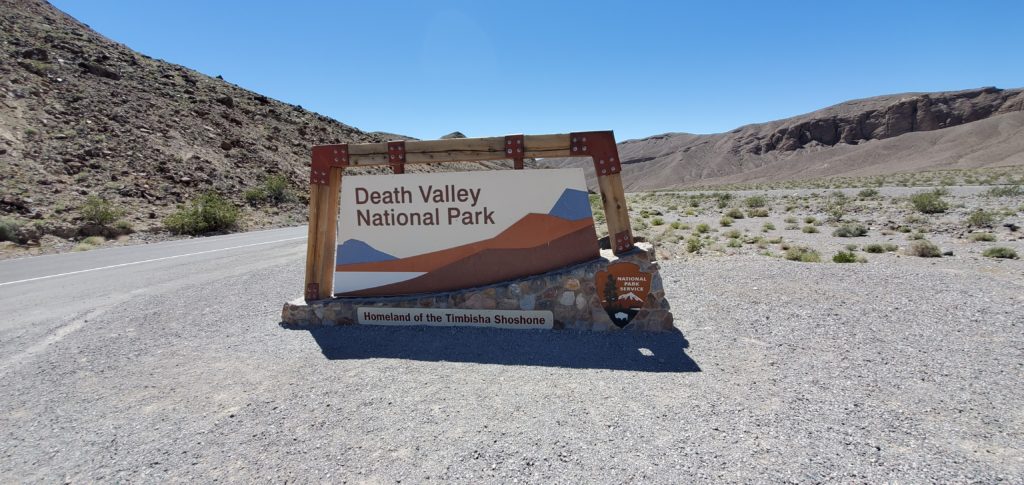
(81, 116)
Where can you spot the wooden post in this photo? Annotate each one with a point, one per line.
(320, 248)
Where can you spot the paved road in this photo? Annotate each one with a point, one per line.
(45, 293)
(898, 370)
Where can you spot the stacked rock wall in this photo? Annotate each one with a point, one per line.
(570, 294)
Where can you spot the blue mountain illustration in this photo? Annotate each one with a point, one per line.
(573, 205)
(355, 251)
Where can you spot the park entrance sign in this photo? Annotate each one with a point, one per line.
(330, 161)
(499, 248)
(424, 233)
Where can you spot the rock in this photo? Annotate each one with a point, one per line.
(572, 284)
(528, 302)
(36, 54)
(453, 135)
(226, 101)
(225, 145)
(98, 70)
(567, 298)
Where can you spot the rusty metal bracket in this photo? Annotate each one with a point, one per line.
(326, 157)
(515, 147)
(599, 145)
(623, 242)
(396, 156)
(312, 291)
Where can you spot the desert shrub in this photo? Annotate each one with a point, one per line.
(640, 224)
(850, 230)
(734, 243)
(924, 249)
(733, 234)
(982, 236)
(676, 225)
(755, 201)
(703, 228)
(810, 229)
(99, 211)
(1000, 252)
(758, 212)
(775, 240)
(9, 229)
(767, 227)
(981, 218)
(835, 206)
(790, 220)
(844, 257)
(792, 227)
(1005, 191)
(209, 212)
(88, 243)
(657, 221)
(874, 248)
(802, 254)
(810, 220)
(274, 190)
(693, 244)
(124, 227)
(867, 193)
(930, 202)
(725, 221)
(917, 236)
(735, 213)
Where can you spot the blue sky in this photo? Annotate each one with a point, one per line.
(640, 68)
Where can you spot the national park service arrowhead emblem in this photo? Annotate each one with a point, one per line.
(623, 290)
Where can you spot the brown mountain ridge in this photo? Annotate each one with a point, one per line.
(83, 115)
(880, 135)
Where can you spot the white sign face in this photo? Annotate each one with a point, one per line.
(420, 233)
(450, 317)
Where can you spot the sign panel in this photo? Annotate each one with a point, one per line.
(451, 317)
(420, 233)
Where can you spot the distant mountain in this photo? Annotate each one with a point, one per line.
(881, 135)
(573, 205)
(355, 251)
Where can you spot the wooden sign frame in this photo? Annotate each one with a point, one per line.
(330, 161)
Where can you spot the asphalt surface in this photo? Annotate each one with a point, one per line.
(178, 370)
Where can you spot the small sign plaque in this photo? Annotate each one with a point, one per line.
(452, 317)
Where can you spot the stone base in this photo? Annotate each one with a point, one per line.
(569, 293)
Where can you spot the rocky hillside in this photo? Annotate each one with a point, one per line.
(885, 134)
(82, 115)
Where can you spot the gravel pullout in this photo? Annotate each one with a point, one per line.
(896, 371)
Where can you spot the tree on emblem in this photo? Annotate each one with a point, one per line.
(611, 296)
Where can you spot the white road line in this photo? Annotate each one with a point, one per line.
(149, 261)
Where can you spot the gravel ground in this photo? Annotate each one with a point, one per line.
(898, 370)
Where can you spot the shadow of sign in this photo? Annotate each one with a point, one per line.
(633, 351)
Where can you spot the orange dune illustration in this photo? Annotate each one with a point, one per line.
(494, 263)
(532, 231)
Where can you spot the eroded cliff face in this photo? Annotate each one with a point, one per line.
(881, 118)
